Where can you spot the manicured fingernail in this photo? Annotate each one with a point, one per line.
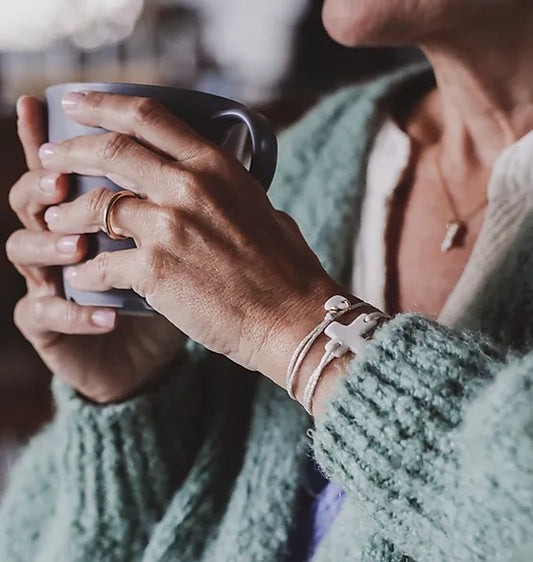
(48, 149)
(68, 244)
(72, 100)
(48, 183)
(51, 214)
(104, 318)
(71, 273)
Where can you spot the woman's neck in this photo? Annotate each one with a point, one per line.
(484, 99)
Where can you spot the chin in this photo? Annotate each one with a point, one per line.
(355, 23)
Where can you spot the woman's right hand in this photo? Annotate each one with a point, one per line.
(105, 358)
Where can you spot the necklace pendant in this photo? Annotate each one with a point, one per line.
(455, 233)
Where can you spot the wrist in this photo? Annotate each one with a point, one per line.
(294, 318)
(301, 315)
(334, 370)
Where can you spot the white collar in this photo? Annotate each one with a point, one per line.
(510, 195)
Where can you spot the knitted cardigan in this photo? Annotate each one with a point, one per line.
(430, 433)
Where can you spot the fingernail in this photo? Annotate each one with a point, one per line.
(48, 149)
(104, 318)
(48, 183)
(72, 100)
(20, 111)
(51, 214)
(68, 244)
(71, 273)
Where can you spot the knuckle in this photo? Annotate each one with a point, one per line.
(167, 220)
(146, 111)
(191, 182)
(217, 159)
(95, 99)
(16, 193)
(217, 162)
(14, 199)
(96, 202)
(150, 272)
(12, 245)
(20, 313)
(194, 189)
(67, 146)
(113, 145)
(102, 266)
(35, 309)
(70, 314)
(174, 224)
(167, 176)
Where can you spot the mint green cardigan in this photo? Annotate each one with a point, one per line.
(430, 433)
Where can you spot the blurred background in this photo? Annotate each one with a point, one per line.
(271, 54)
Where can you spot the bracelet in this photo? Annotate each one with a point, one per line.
(335, 307)
(344, 338)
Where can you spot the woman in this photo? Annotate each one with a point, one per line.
(162, 450)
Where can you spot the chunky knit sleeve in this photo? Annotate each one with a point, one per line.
(94, 484)
(29, 502)
(146, 478)
(432, 433)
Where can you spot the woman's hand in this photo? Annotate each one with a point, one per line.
(213, 255)
(105, 359)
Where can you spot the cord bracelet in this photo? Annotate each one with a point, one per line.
(343, 338)
(335, 307)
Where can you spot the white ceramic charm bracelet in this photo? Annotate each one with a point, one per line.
(343, 338)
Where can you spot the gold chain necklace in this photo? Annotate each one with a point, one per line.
(457, 228)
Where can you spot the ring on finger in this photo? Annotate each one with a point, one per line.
(108, 227)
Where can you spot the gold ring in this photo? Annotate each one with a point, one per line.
(108, 228)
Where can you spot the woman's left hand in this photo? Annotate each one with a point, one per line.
(213, 255)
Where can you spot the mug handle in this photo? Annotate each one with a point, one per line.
(263, 140)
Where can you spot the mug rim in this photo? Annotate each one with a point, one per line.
(93, 86)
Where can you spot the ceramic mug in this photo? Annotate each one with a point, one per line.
(214, 117)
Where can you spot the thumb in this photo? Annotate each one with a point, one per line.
(31, 128)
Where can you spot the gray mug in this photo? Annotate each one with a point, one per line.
(213, 117)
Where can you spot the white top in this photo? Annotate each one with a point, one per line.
(510, 198)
